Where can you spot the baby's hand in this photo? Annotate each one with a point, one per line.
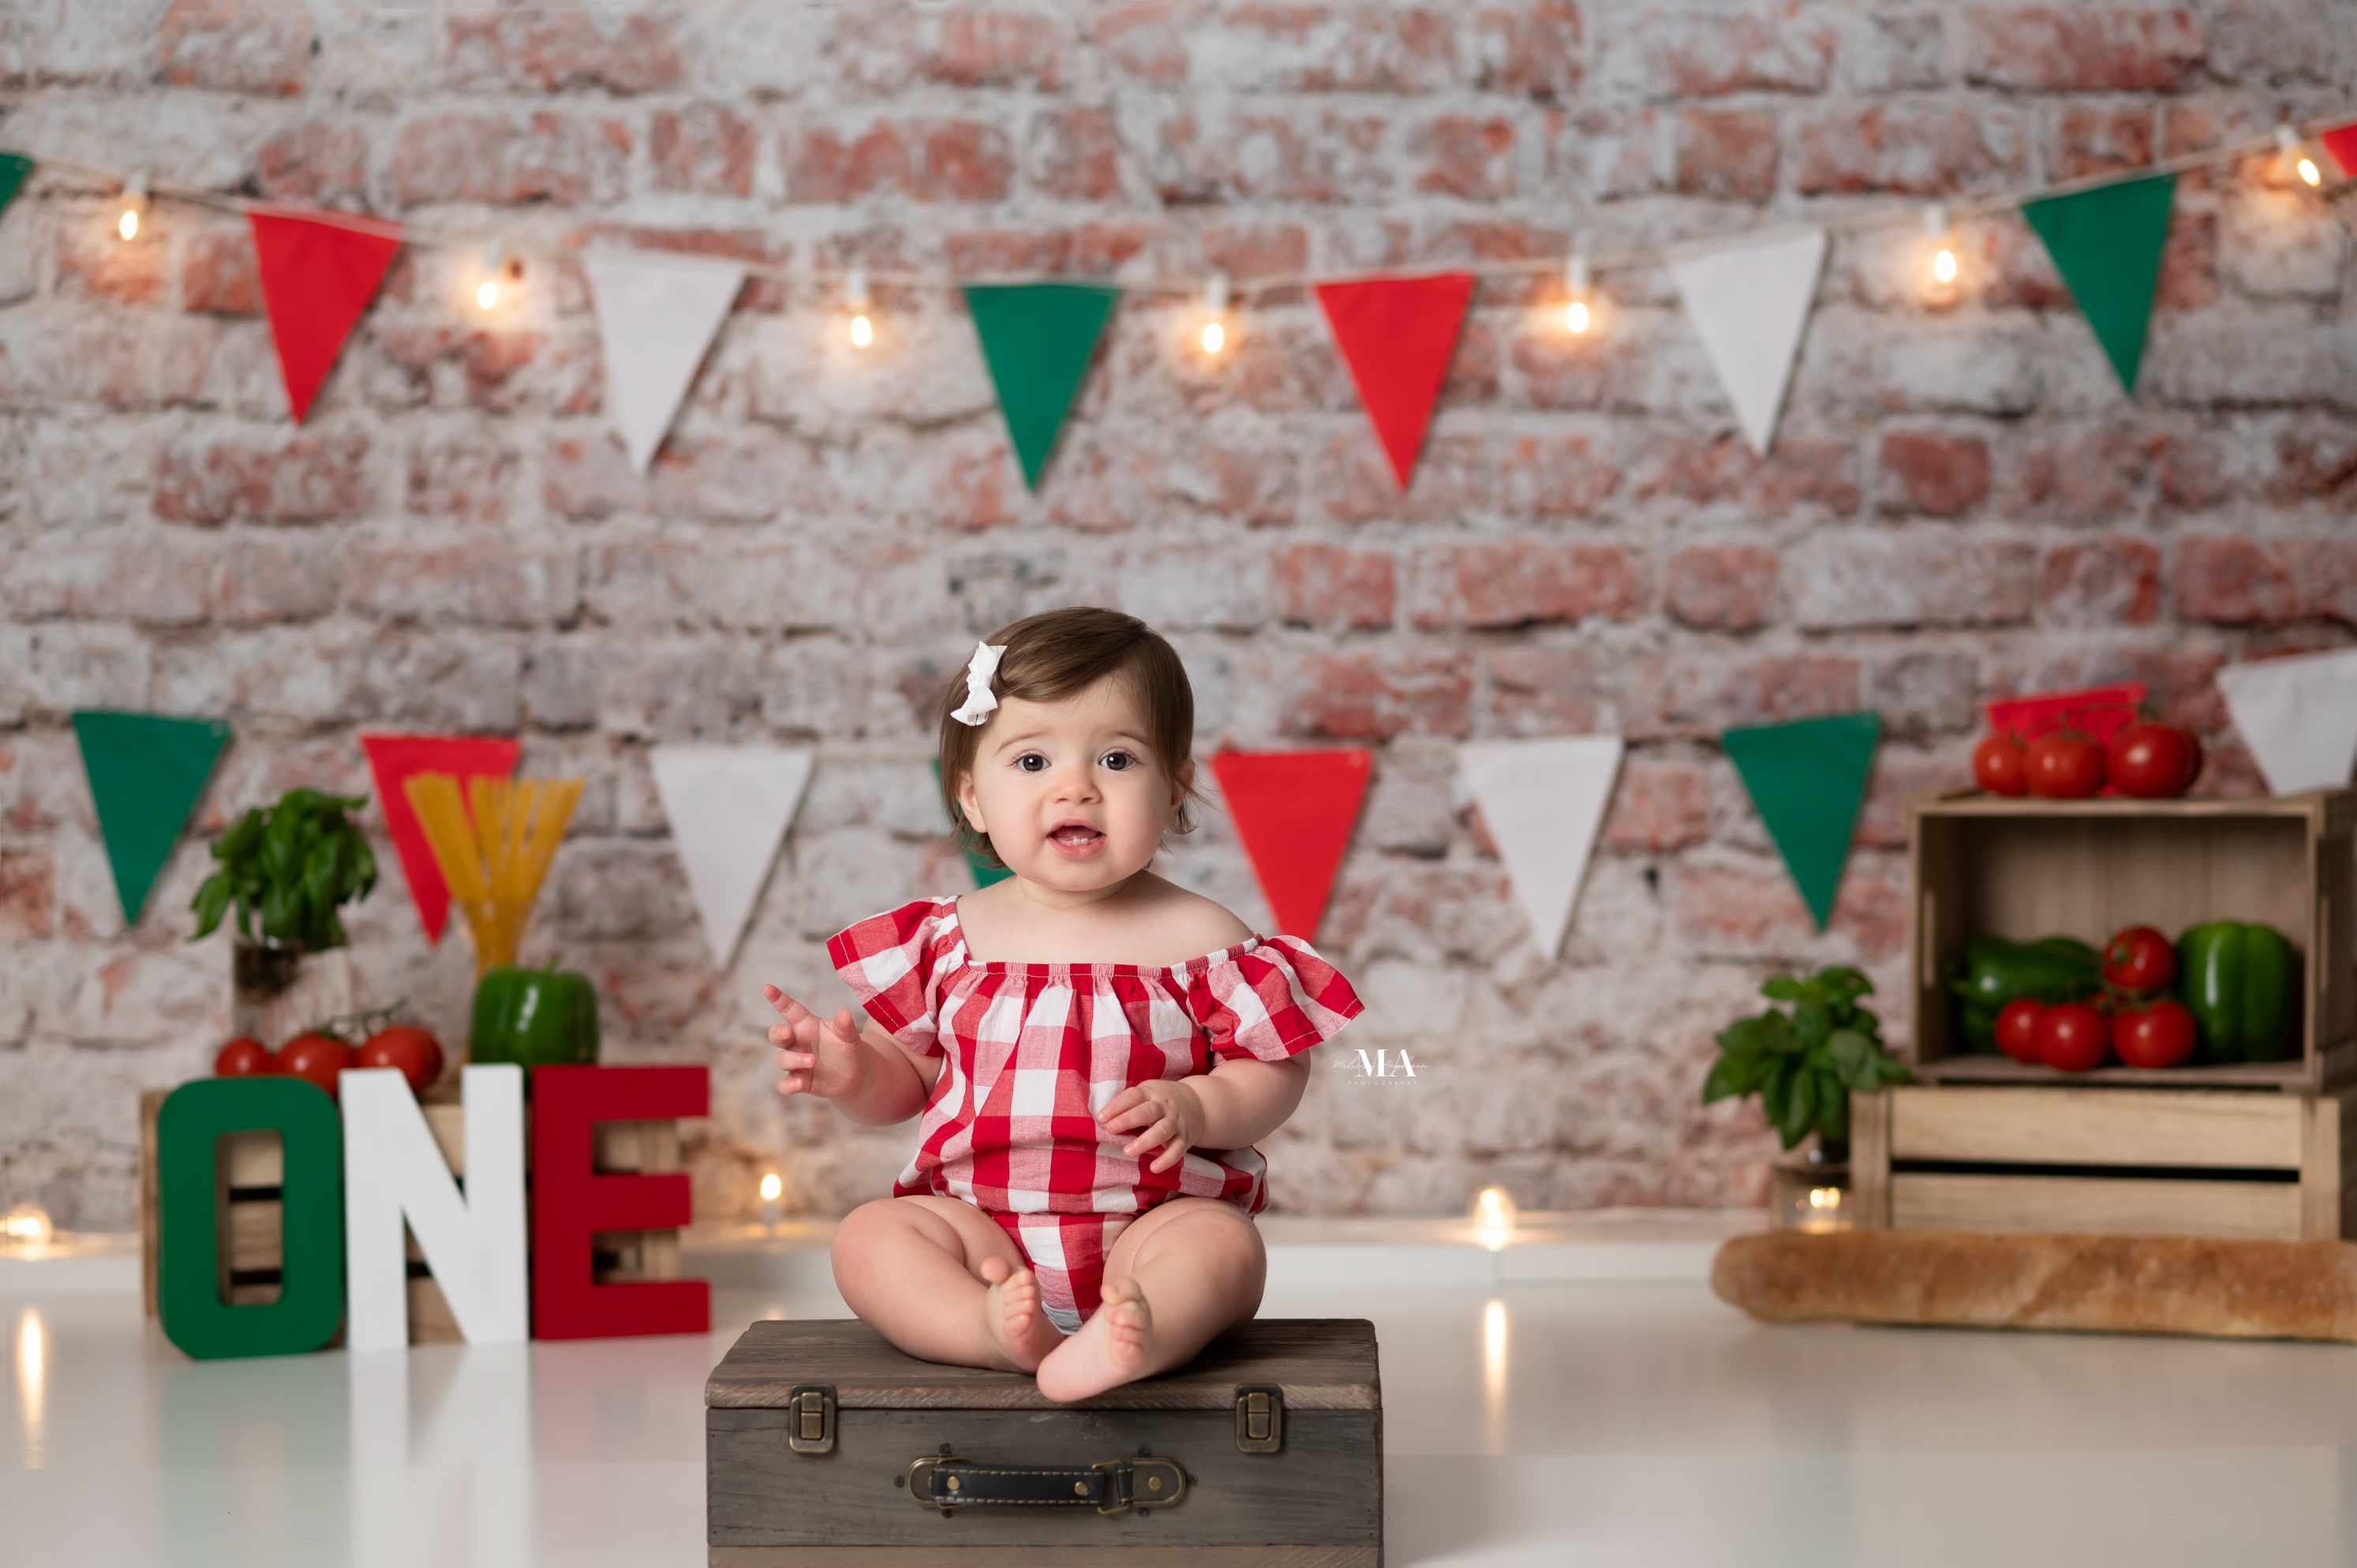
(825, 1058)
(1170, 1112)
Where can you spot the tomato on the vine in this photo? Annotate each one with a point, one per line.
(2152, 760)
(2065, 765)
(316, 1056)
(1997, 765)
(417, 1054)
(2139, 959)
(2160, 1035)
(2072, 1036)
(244, 1057)
(2017, 1028)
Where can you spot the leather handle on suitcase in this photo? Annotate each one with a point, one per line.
(1110, 1486)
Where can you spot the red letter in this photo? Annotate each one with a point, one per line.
(569, 1203)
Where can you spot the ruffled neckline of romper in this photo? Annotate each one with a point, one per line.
(1058, 970)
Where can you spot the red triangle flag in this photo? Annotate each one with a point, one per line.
(1396, 335)
(393, 759)
(2340, 141)
(1294, 809)
(317, 278)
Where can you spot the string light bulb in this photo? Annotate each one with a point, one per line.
(2297, 159)
(498, 269)
(26, 1225)
(1214, 335)
(1943, 246)
(1577, 317)
(863, 326)
(134, 206)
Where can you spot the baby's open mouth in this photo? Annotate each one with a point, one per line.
(1075, 836)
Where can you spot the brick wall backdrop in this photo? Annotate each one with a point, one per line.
(1960, 504)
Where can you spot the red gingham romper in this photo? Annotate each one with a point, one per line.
(1039, 1048)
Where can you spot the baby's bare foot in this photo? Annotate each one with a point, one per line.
(1107, 1350)
(1018, 1331)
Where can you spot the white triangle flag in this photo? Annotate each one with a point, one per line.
(1543, 800)
(656, 316)
(729, 807)
(1750, 302)
(2299, 715)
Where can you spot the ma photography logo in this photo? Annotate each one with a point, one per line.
(1380, 1065)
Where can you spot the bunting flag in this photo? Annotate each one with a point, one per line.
(14, 168)
(2106, 244)
(1294, 811)
(1542, 802)
(984, 873)
(657, 313)
(317, 278)
(2298, 716)
(2340, 141)
(1749, 303)
(1037, 339)
(1807, 778)
(391, 759)
(1396, 335)
(146, 773)
(730, 808)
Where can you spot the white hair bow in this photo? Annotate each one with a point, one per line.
(979, 698)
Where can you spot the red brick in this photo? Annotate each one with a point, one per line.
(706, 148)
(2082, 49)
(310, 478)
(1725, 154)
(276, 579)
(1903, 773)
(470, 480)
(1524, 582)
(1261, 155)
(1910, 150)
(1657, 807)
(2269, 582)
(94, 263)
(2312, 467)
(234, 45)
(1084, 250)
(2105, 582)
(1530, 49)
(1455, 474)
(1929, 471)
(1334, 587)
(1682, 55)
(994, 48)
(1701, 694)
(1610, 154)
(2091, 141)
(1465, 156)
(567, 160)
(1074, 155)
(1722, 588)
(217, 274)
(1753, 910)
(923, 160)
(1906, 577)
(29, 895)
(1924, 691)
(1556, 476)
(157, 581)
(1146, 39)
(478, 583)
(1370, 696)
(549, 49)
(2083, 476)
(2194, 473)
(1797, 474)
(2189, 264)
(1367, 48)
(1245, 250)
(320, 162)
(1543, 691)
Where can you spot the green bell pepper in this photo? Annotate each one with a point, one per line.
(533, 1018)
(2242, 982)
(1996, 972)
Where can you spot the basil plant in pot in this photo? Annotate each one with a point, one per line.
(286, 869)
(1804, 1063)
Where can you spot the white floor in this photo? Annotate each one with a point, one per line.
(1597, 1416)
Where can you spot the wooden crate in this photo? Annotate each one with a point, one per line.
(2106, 1161)
(2024, 868)
(247, 1195)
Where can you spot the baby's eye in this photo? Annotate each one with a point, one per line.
(1028, 756)
(1126, 766)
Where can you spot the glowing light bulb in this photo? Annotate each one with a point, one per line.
(134, 204)
(1942, 264)
(863, 326)
(2307, 171)
(497, 267)
(2298, 158)
(26, 1225)
(1493, 1217)
(1577, 317)
(1214, 336)
(771, 1186)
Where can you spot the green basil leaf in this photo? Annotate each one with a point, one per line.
(1833, 1112)
(1780, 988)
(1812, 1020)
(1800, 1108)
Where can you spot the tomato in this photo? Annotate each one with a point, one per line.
(2157, 1035)
(2139, 959)
(1997, 765)
(2017, 1027)
(2152, 760)
(2063, 765)
(2072, 1036)
(243, 1057)
(417, 1054)
(315, 1056)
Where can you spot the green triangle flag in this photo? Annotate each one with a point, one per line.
(2106, 244)
(145, 772)
(14, 168)
(984, 873)
(1807, 778)
(1037, 338)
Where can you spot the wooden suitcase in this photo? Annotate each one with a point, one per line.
(825, 1448)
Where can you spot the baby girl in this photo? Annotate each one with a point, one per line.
(1094, 1051)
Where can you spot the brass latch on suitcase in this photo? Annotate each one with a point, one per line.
(1260, 1418)
(810, 1419)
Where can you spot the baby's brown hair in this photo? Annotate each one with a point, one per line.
(1054, 654)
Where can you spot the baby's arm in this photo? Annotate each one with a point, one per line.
(1245, 1101)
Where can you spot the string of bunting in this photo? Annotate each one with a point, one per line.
(1747, 295)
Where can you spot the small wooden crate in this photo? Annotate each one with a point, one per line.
(2106, 1161)
(2024, 868)
(247, 1195)
(825, 1448)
